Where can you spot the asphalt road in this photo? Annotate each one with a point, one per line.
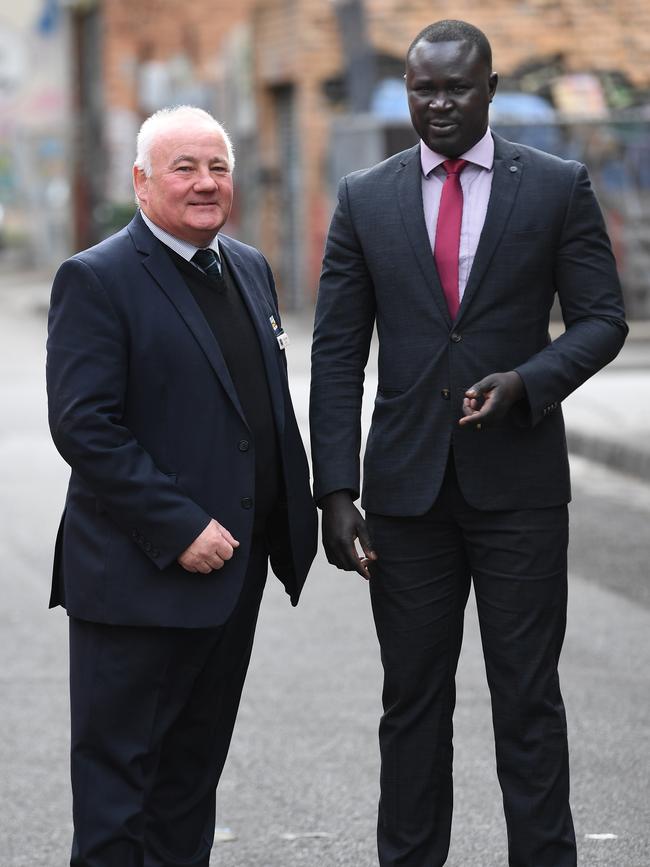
(300, 787)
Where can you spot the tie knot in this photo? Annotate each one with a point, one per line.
(207, 260)
(454, 167)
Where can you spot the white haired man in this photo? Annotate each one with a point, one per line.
(168, 397)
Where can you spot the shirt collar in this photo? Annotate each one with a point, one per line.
(178, 245)
(481, 154)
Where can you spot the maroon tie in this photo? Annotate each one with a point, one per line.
(447, 244)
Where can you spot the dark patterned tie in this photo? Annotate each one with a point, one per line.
(447, 246)
(208, 262)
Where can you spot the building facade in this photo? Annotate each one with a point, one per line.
(311, 88)
(35, 135)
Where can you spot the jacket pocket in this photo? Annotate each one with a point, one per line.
(387, 391)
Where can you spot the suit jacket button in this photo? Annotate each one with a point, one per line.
(246, 502)
(147, 545)
(455, 337)
(155, 553)
(445, 394)
(243, 445)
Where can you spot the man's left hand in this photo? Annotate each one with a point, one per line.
(490, 399)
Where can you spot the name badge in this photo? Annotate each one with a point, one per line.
(280, 334)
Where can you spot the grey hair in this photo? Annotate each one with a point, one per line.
(163, 118)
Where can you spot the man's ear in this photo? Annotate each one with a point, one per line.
(492, 84)
(140, 183)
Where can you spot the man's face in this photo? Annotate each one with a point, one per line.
(450, 88)
(189, 191)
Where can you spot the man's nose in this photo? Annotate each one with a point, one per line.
(440, 101)
(205, 180)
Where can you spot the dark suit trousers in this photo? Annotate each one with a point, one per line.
(419, 588)
(153, 711)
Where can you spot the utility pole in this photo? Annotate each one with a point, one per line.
(88, 102)
(358, 55)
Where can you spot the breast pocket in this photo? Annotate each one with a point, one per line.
(535, 237)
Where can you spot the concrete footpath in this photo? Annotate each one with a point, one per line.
(607, 418)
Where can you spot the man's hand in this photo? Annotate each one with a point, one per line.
(210, 550)
(491, 398)
(342, 524)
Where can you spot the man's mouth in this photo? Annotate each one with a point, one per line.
(443, 125)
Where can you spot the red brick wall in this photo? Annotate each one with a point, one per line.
(139, 30)
(296, 42)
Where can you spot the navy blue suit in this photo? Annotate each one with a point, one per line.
(447, 505)
(143, 408)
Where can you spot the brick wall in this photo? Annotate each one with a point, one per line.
(136, 31)
(296, 48)
(592, 34)
(298, 43)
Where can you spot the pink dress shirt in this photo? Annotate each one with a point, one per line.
(476, 181)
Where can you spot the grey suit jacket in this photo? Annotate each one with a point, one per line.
(543, 236)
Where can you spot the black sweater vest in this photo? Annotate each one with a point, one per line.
(229, 319)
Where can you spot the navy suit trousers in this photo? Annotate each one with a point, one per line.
(419, 588)
(153, 710)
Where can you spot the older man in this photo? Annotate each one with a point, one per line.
(456, 249)
(168, 397)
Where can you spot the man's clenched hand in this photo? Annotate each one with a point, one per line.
(342, 525)
(210, 550)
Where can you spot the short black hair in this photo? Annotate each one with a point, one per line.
(451, 30)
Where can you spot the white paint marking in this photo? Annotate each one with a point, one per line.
(601, 836)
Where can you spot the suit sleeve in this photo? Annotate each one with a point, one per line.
(345, 315)
(87, 371)
(589, 292)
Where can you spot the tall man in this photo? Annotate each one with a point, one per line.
(168, 398)
(456, 249)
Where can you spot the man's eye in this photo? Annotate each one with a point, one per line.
(183, 168)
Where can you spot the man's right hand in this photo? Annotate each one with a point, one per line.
(342, 525)
(210, 550)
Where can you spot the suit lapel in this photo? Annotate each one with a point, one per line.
(508, 170)
(160, 267)
(409, 184)
(259, 307)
